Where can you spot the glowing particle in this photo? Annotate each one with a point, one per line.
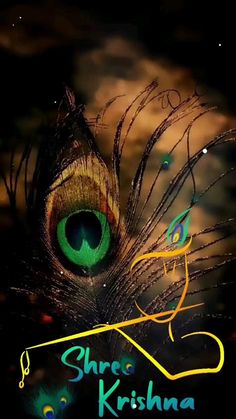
(61, 272)
(20, 17)
(219, 45)
(13, 25)
(55, 102)
(46, 319)
(204, 150)
(104, 285)
(134, 406)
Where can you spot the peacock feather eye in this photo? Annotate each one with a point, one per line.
(166, 161)
(178, 230)
(127, 366)
(84, 237)
(63, 402)
(177, 233)
(48, 412)
(82, 223)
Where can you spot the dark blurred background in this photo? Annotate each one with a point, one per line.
(41, 40)
(101, 49)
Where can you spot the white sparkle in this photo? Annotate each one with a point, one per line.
(13, 25)
(104, 285)
(20, 17)
(134, 406)
(61, 272)
(204, 150)
(219, 45)
(55, 102)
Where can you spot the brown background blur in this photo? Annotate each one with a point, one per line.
(101, 52)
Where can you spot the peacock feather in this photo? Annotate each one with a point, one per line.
(50, 404)
(80, 241)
